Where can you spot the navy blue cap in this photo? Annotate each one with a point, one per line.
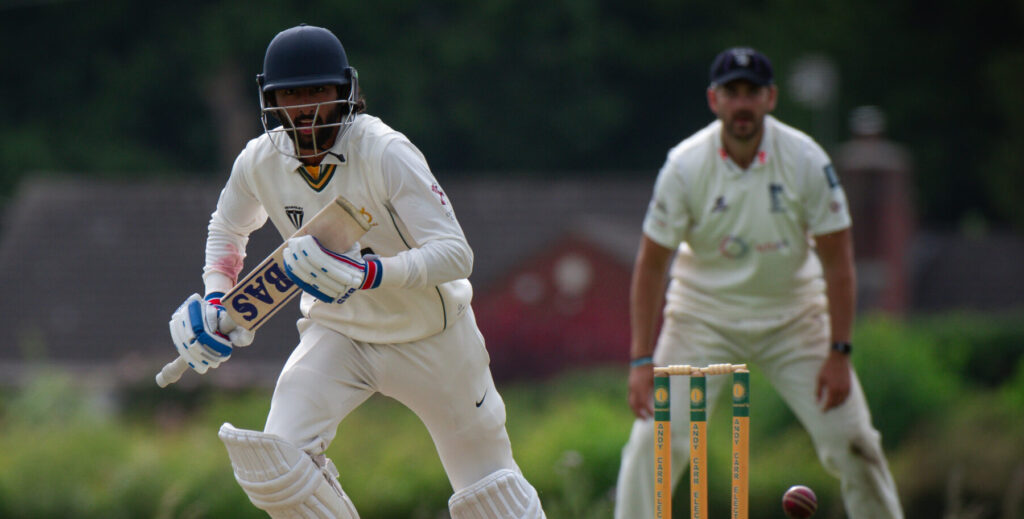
(741, 63)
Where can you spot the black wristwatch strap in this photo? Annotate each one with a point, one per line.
(842, 347)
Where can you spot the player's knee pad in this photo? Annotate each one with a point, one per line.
(504, 494)
(282, 480)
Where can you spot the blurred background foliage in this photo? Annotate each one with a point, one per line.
(945, 392)
(516, 87)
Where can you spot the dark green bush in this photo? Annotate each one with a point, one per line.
(953, 439)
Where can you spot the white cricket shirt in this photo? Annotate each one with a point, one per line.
(744, 237)
(413, 229)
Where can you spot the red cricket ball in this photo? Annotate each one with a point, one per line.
(799, 502)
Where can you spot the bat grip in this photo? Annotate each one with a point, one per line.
(171, 372)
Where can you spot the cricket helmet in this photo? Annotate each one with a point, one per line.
(305, 56)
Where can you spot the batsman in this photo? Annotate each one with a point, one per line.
(750, 220)
(390, 315)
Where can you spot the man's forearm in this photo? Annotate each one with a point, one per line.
(836, 253)
(646, 295)
(842, 302)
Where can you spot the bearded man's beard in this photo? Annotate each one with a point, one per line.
(321, 138)
(744, 125)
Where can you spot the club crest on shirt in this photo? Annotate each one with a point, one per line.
(295, 214)
(775, 191)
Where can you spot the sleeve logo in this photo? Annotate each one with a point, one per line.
(830, 175)
(440, 194)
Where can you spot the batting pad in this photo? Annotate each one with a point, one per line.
(282, 480)
(504, 494)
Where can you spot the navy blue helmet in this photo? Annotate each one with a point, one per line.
(305, 56)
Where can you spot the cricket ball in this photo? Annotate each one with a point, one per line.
(799, 502)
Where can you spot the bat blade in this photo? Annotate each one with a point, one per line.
(258, 296)
(266, 289)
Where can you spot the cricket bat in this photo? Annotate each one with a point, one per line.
(266, 289)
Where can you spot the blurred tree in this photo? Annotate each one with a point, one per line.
(1004, 168)
(580, 87)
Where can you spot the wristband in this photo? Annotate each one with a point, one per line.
(214, 298)
(842, 347)
(641, 361)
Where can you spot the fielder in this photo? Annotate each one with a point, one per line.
(391, 316)
(763, 274)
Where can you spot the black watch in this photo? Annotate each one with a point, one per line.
(842, 347)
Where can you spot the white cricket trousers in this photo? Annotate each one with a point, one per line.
(789, 351)
(444, 379)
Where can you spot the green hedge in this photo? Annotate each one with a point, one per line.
(947, 392)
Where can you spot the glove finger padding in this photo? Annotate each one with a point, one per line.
(312, 278)
(325, 274)
(195, 329)
(240, 337)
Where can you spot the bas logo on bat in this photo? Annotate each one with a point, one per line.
(257, 289)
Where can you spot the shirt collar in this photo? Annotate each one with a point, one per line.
(335, 155)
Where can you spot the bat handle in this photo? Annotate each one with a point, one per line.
(171, 372)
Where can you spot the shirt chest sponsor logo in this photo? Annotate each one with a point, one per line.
(735, 247)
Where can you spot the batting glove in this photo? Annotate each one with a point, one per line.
(327, 275)
(240, 337)
(204, 334)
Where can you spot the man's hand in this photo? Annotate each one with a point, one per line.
(240, 337)
(327, 275)
(833, 385)
(203, 333)
(641, 386)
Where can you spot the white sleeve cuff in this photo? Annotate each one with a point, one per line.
(399, 273)
(215, 281)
